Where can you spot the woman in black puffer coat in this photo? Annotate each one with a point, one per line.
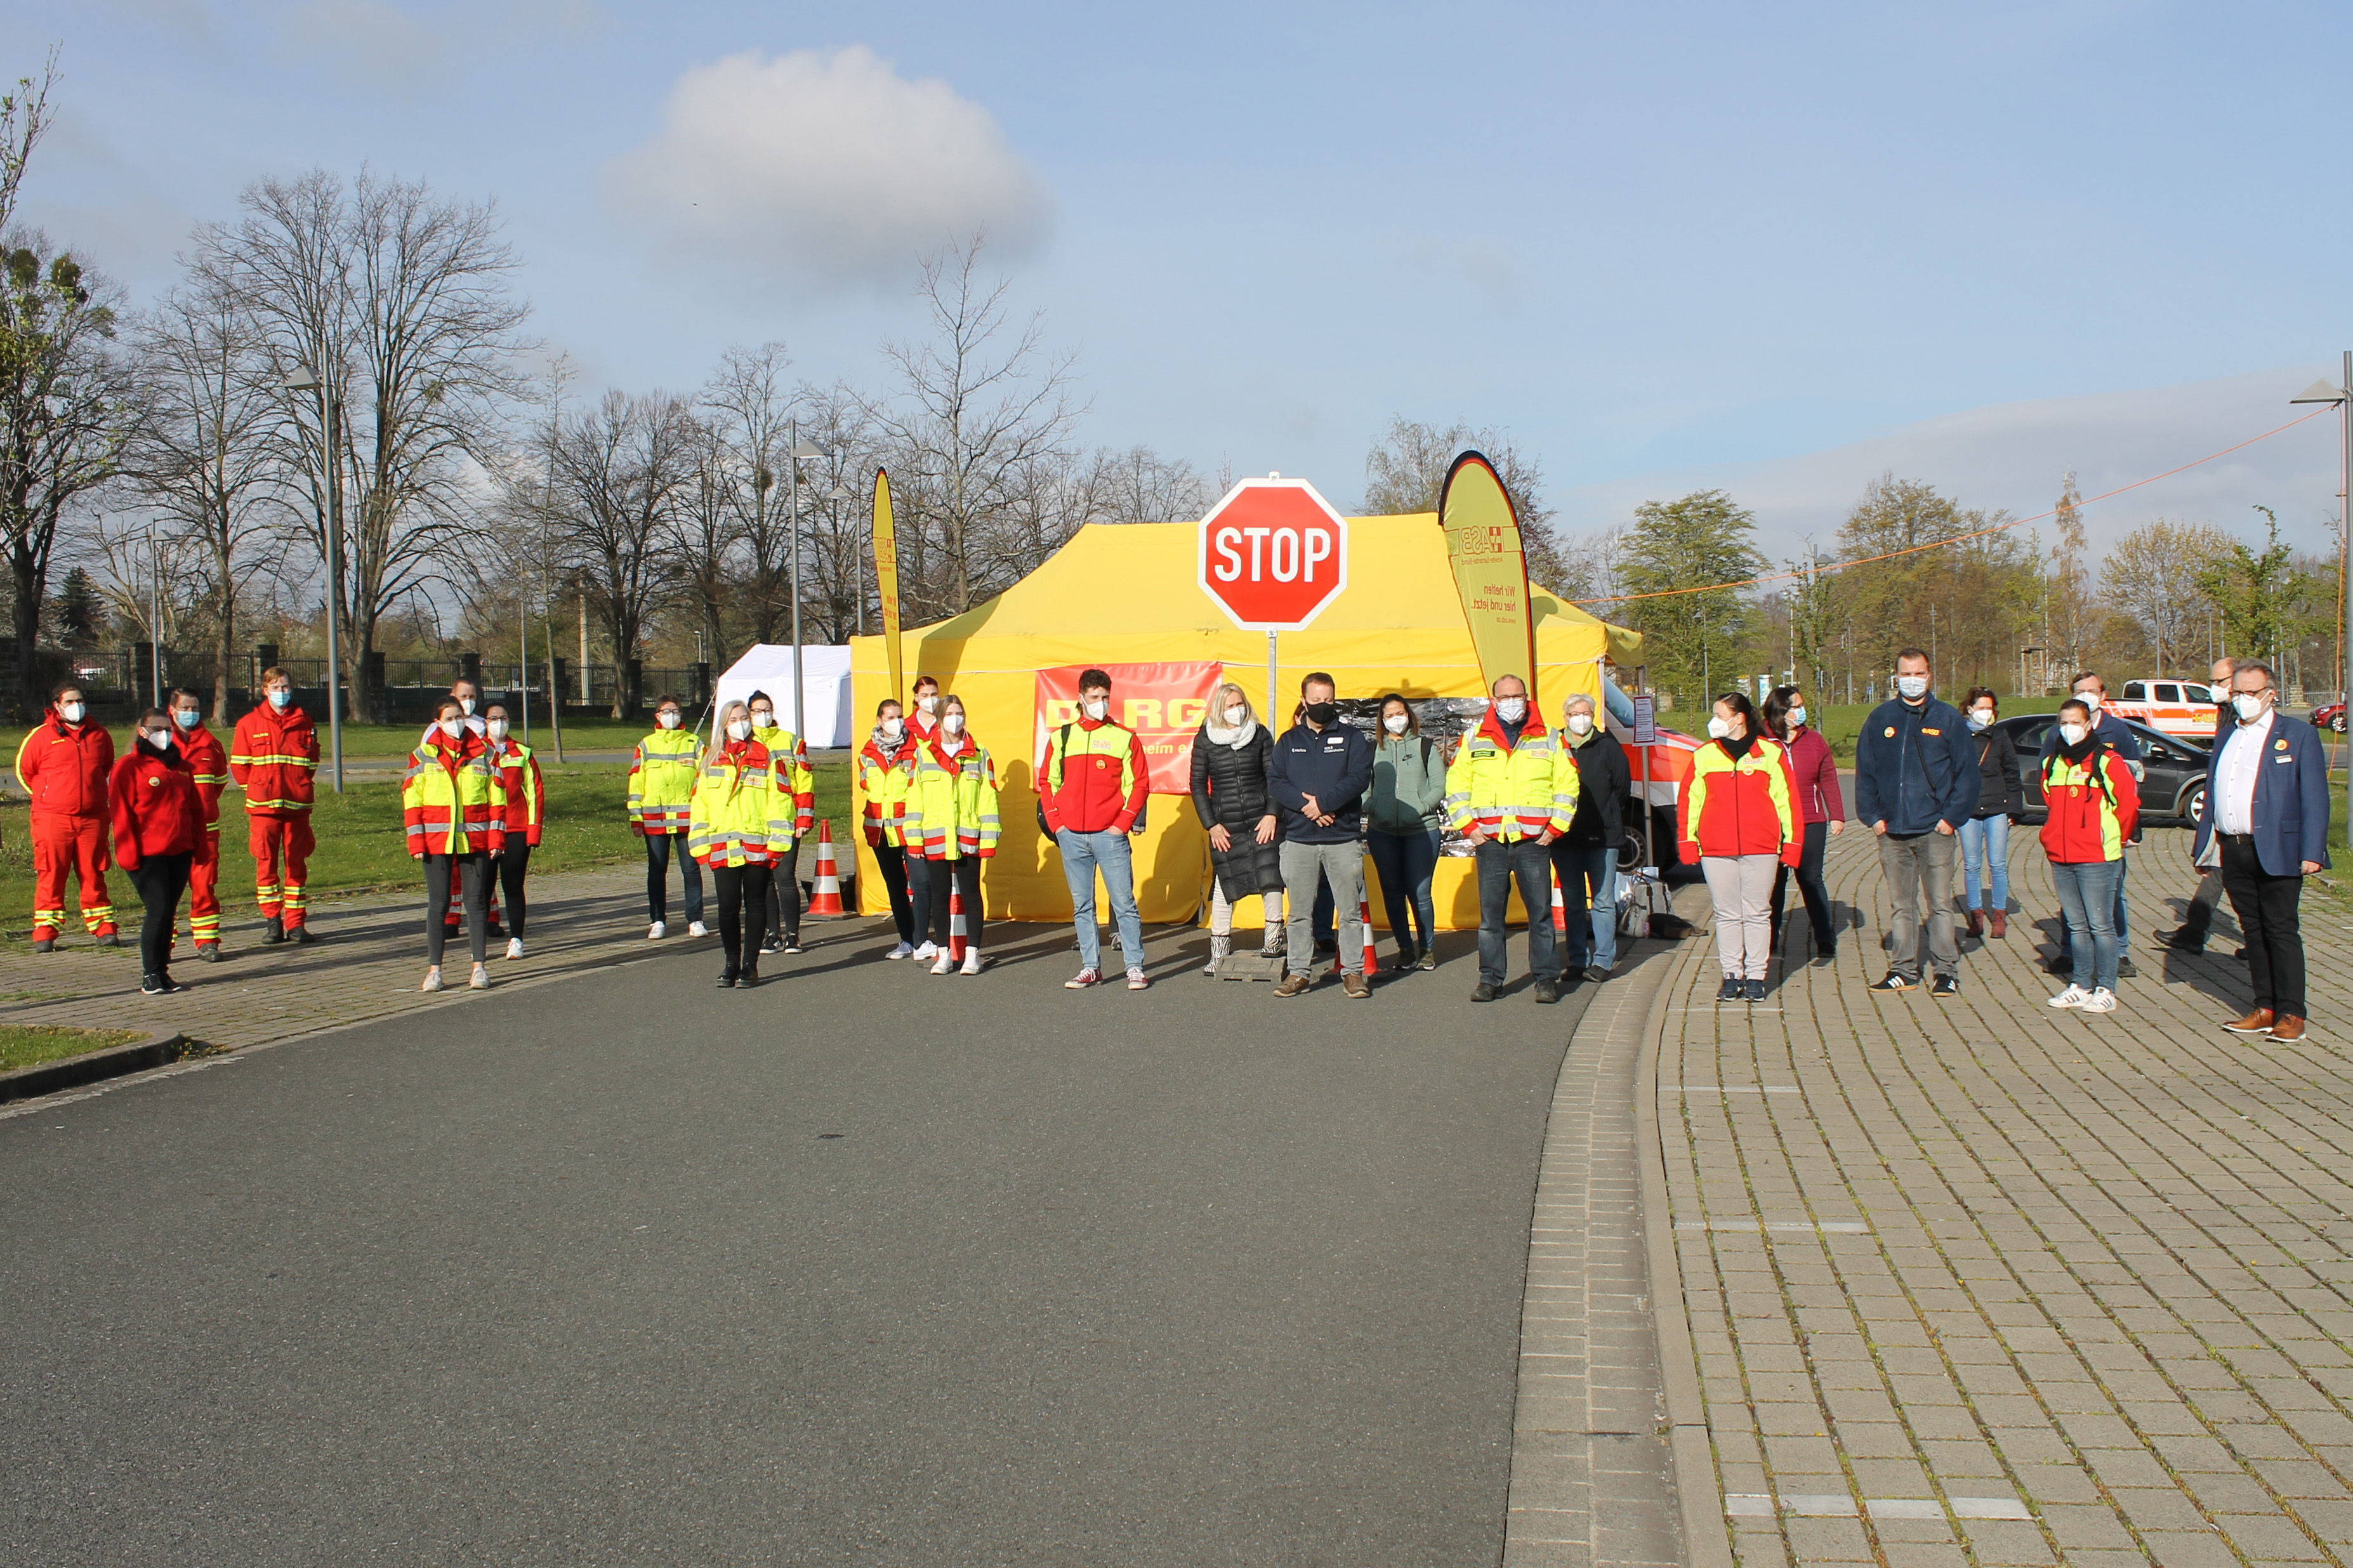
(1230, 756)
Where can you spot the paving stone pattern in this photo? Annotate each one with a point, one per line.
(1979, 1281)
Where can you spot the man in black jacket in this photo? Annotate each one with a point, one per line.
(1916, 781)
(1318, 776)
(1586, 857)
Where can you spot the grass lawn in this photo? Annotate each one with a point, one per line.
(29, 1045)
(362, 845)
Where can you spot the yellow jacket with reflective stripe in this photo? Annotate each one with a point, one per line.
(741, 813)
(951, 803)
(792, 767)
(662, 780)
(1512, 792)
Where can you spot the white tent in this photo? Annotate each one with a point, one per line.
(825, 689)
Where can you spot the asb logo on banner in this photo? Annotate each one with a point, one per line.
(1273, 553)
(1163, 703)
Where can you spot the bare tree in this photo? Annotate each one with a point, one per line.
(1406, 472)
(64, 407)
(837, 560)
(747, 400)
(2152, 574)
(201, 455)
(24, 120)
(980, 405)
(399, 299)
(621, 470)
(704, 534)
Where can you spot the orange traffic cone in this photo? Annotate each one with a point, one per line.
(1559, 914)
(824, 892)
(958, 932)
(1372, 959)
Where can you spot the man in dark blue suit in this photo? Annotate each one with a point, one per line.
(2268, 804)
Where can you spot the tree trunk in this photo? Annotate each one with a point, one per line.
(27, 576)
(228, 647)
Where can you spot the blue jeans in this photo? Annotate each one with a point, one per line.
(1405, 863)
(1530, 864)
(2067, 937)
(658, 847)
(1985, 862)
(1082, 853)
(2088, 897)
(1589, 894)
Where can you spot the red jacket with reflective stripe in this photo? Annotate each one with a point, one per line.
(207, 760)
(155, 807)
(63, 766)
(526, 791)
(1743, 806)
(275, 755)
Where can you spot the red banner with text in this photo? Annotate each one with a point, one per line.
(1163, 703)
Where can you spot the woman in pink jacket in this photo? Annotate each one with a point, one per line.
(1824, 810)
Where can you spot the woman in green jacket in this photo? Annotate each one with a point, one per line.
(1404, 811)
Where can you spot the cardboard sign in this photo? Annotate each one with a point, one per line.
(1163, 703)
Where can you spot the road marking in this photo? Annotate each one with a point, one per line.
(1839, 1505)
(1829, 1226)
(1731, 1088)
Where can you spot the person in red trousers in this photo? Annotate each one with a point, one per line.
(208, 762)
(274, 758)
(158, 823)
(63, 765)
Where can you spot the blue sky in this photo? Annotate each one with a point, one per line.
(1719, 241)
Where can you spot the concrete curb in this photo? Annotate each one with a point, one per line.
(1698, 1490)
(72, 1072)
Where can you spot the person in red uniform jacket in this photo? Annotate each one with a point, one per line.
(208, 762)
(158, 823)
(274, 758)
(526, 811)
(63, 765)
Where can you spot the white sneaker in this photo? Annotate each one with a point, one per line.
(480, 980)
(514, 947)
(2100, 1001)
(971, 962)
(902, 950)
(432, 978)
(656, 931)
(696, 928)
(2074, 997)
(945, 963)
(928, 949)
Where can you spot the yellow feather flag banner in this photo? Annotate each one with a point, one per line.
(886, 577)
(1491, 571)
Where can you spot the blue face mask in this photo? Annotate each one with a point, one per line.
(280, 698)
(186, 718)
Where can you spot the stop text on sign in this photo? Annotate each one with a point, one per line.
(1273, 553)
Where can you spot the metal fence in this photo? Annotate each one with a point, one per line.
(122, 676)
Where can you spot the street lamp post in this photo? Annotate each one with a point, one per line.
(2342, 396)
(307, 381)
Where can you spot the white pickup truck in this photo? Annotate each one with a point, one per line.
(2182, 707)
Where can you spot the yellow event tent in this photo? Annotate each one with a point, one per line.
(1129, 593)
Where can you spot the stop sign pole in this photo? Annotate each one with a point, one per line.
(1273, 554)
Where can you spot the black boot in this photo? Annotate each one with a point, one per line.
(750, 976)
(274, 932)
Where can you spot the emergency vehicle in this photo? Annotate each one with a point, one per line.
(2180, 708)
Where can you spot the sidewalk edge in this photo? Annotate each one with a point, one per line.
(91, 1067)
(1698, 1491)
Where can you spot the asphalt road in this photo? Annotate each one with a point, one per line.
(862, 1267)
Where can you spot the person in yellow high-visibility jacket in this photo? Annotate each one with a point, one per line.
(741, 815)
(1512, 790)
(951, 826)
(661, 789)
(792, 766)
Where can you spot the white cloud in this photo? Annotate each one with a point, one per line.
(825, 165)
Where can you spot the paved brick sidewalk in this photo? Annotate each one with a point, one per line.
(1976, 1281)
(366, 966)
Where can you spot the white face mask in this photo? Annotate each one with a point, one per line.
(72, 712)
(281, 697)
(1580, 723)
(739, 728)
(2091, 699)
(453, 728)
(1098, 709)
(1980, 717)
(1912, 687)
(1511, 709)
(466, 706)
(2248, 705)
(1234, 717)
(953, 723)
(497, 728)
(667, 719)
(1718, 729)
(893, 727)
(159, 739)
(2073, 733)
(762, 719)
(1394, 724)
(928, 704)
(1797, 714)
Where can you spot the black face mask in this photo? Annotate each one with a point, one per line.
(1322, 713)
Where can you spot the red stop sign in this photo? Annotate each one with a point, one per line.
(1273, 553)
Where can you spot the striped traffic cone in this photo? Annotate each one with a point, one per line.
(824, 892)
(1559, 914)
(1365, 918)
(958, 932)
